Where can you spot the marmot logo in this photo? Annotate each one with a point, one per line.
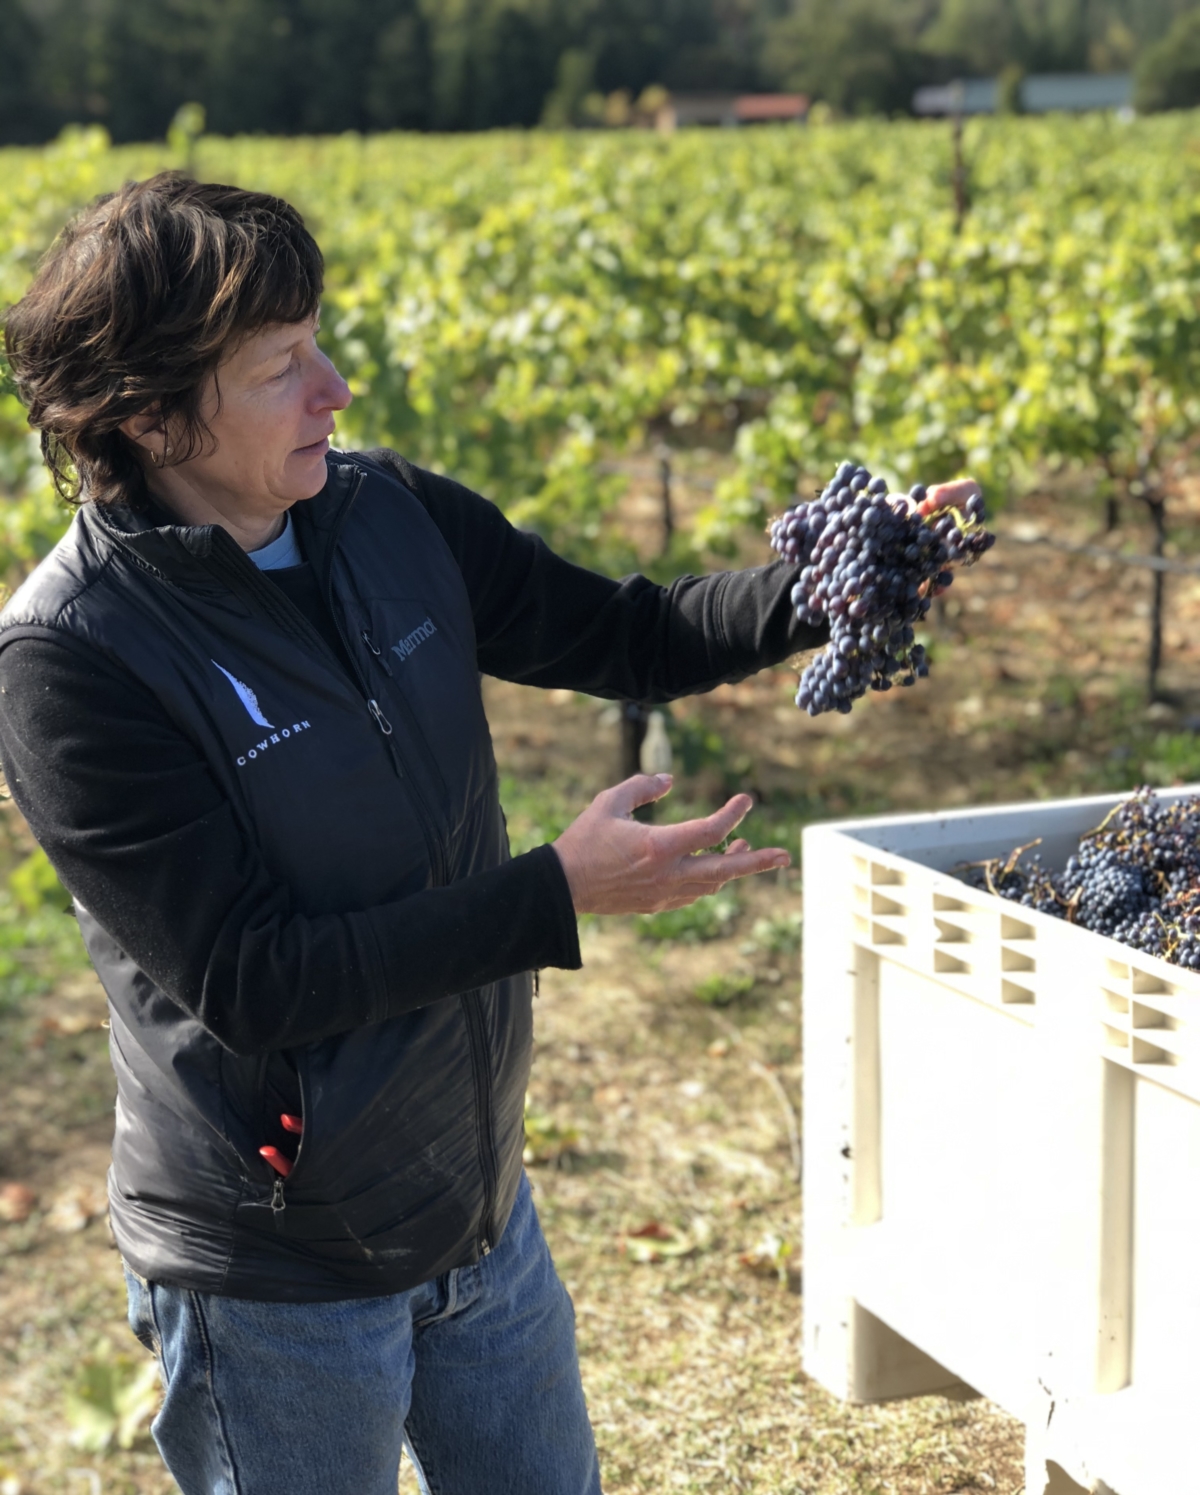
(415, 639)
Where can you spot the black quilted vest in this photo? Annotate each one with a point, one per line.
(355, 794)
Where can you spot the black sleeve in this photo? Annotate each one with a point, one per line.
(143, 837)
(539, 620)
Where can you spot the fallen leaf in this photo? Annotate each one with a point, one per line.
(69, 1024)
(653, 1230)
(737, 1163)
(71, 1210)
(655, 1241)
(112, 1401)
(545, 1140)
(769, 1257)
(16, 1203)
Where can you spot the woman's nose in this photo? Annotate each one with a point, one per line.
(342, 395)
(328, 389)
(333, 393)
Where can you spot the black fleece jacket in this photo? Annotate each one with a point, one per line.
(113, 789)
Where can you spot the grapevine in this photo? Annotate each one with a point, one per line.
(1135, 878)
(871, 562)
(524, 310)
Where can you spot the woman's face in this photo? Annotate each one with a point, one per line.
(270, 408)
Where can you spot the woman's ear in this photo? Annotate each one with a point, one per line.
(147, 432)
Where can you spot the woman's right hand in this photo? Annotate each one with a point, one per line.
(618, 865)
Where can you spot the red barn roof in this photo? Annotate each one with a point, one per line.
(756, 107)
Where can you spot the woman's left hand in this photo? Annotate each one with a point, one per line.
(954, 495)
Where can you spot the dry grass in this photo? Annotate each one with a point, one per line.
(692, 1365)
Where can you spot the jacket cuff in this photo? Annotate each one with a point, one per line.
(758, 620)
(562, 925)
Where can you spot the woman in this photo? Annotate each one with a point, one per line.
(242, 714)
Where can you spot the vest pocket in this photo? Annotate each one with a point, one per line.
(369, 1228)
(282, 1118)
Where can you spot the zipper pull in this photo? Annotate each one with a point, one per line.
(485, 1247)
(278, 1204)
(370, 643)
(381, 721)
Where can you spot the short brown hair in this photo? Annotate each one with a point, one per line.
(135, 304)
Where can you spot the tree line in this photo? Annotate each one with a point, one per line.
(325, 66)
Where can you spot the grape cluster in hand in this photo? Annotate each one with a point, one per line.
(871, 562)
(1136, 878)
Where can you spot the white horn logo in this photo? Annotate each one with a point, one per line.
(247, 697)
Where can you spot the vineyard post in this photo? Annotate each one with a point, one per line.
(1112, 498)
(634, 719)
(663, 452)
(960, 165)
(635, 716)
(1156, 501)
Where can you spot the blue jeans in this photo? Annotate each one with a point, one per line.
(475, 1374)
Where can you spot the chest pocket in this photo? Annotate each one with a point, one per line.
(428, 674)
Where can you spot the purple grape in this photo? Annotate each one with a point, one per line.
(869, 566)
(1136, 878)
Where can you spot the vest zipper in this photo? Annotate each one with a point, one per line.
(278, 1198)
(476, 1040)
(417, 737)
(472, 1003)
(257, 582)
(381, 721)
(482, 1075)
(433, 843)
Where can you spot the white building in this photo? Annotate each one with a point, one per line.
(1040, 93)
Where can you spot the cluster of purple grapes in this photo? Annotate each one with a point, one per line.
(870, 563)
(1135, 878)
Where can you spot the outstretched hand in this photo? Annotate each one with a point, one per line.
(618, 865)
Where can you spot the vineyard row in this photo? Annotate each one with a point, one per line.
(519, 309)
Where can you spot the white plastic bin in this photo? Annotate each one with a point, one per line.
(1001, 1151)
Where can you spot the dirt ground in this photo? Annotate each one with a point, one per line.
(666, 1089)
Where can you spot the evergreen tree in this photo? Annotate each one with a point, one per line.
(396, 89)
(859, 56)
(26, 115)
(291, 66)
(1168, 75)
